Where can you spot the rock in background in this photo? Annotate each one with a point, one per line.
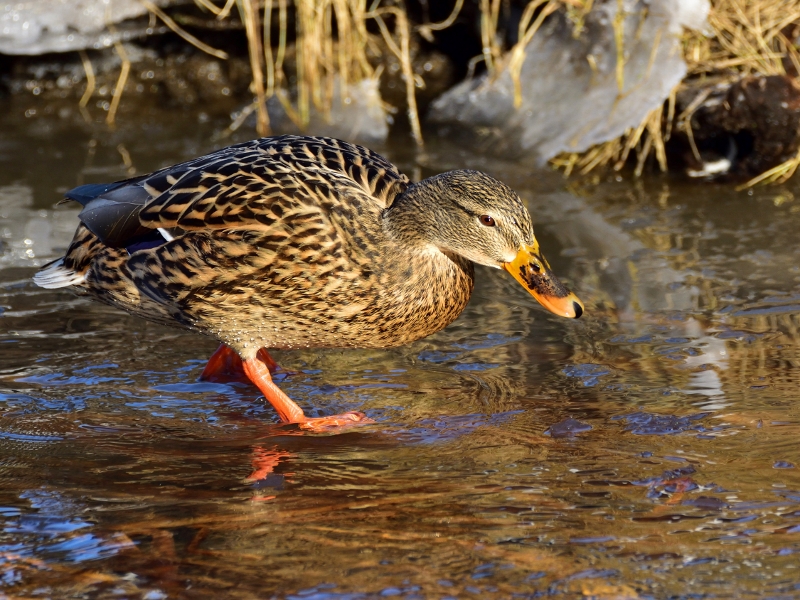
(571, 99)
(40, 26)
(743, 126)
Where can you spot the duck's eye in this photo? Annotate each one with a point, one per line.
(487, 220)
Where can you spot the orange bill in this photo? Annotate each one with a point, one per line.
(532, 271)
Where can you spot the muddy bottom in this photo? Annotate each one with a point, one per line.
(650, 449)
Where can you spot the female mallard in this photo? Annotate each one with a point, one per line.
(299, 242)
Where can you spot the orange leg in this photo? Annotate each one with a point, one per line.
(257, 370)
(225, 365)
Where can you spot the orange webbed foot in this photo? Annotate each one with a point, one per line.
(257, 370)
(226, 365)
(335, 423)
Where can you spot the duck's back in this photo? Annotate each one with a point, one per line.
(276, 242)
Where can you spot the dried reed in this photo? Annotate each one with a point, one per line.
(331, 50)
(749, 37)
(249, 15)
(90, 85)
(123, 78)
(526, 32)
(182, 32)
(744, 37)
(333, 45)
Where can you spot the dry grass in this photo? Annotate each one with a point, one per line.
(322, 52)
(332, 45)
(528, 26)
(745, 37)
(334, 49)
(749, 37)
(331, 50)
(646, 139)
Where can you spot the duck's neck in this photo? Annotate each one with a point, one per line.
(414, 218)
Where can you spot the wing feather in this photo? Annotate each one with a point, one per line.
(249, 185)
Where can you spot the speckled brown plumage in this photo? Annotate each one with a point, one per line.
(293, 242)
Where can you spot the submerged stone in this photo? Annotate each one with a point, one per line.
(567, 428)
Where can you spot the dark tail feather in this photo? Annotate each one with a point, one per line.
(90, 191)
(111, 210)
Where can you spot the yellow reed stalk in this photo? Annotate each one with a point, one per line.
(602, 154)
(249, 15)
(576, 12)
(427, 28)
(305, 65)
(490, 13)
(619, 41)
(326, 25)
(655, 132)
(566, 162)
(90, 79)
(182, 32)
(123, 78)
(226, 9)
(275, 75)
(209, 6)
(403, 53)
(221, 13)
(780, 174)
(345, 47)
(629, 140)
(526, 33)
(268, 60)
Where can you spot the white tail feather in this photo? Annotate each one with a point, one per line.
(56, 275)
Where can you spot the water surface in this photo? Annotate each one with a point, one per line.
(650, 449)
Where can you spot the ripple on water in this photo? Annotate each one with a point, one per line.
(48, 529)
(588, 373)
(668, 466)
(644, 423)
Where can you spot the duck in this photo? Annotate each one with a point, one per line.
(293, 242)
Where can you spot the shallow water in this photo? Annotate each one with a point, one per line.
(650, 449)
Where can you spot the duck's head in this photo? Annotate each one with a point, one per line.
(480, 218)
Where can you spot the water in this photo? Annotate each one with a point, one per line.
(648, 450)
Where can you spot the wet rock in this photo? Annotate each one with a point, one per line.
(707, 502)
(644, 423)
(358, 116)
(567, 428)
(42, 26)
(169, 75)
(433, 72)
(195, 78)
(783, 464)
(571, 99)
(752, 123)
(589, 373)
